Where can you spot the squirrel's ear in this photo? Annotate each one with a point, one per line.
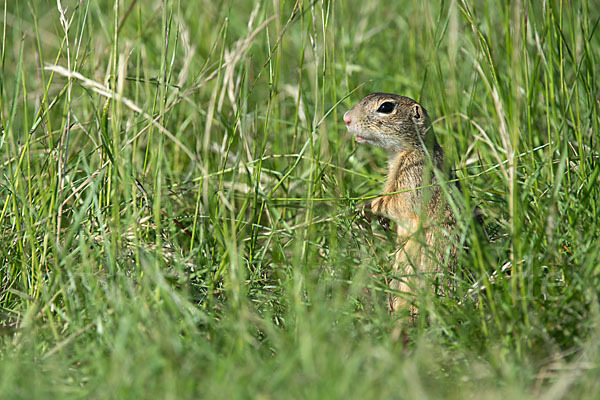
(417, 112)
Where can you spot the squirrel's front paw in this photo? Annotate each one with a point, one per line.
(373, 209)
(366, 213)
(384, 222)
(376, 205)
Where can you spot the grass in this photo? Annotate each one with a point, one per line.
(179, 199)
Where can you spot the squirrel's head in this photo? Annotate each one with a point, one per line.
(392, 122)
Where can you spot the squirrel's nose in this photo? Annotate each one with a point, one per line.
(347, 118)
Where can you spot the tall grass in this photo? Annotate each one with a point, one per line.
(180, 201)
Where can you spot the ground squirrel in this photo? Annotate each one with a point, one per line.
(423, 217)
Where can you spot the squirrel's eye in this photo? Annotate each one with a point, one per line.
(386, 107)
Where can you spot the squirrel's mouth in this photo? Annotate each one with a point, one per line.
(364, 139)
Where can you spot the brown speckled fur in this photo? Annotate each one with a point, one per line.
(424, 220)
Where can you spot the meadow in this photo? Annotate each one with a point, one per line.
(180, 201)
